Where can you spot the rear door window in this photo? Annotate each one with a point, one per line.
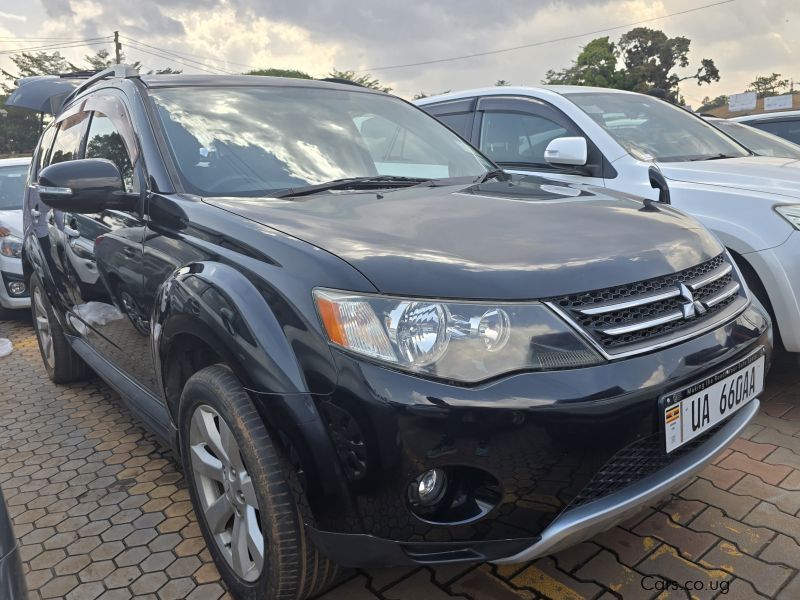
(788, 129)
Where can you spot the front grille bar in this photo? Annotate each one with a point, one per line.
(675, 315)
(694, 285)
(729, 290)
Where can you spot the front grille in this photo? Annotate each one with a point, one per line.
(623, 317)
(633, 463)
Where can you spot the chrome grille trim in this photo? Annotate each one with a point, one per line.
(719, 273)
(641, 301)
(641, 325)
(728, 291)
(642, 316)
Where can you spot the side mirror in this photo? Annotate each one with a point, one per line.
(659, 182)
(85, 186)
(567, 151)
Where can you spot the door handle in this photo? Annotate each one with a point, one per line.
(129, 252)
(73, 233)
(35, 213)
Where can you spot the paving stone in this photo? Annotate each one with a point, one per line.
(418, 585)
(482, 583)
(630, 548)
(748, 539)
(543, 576)
(782, 549)
(666, 564)
(624, 581)
(353, 589)
(785, 500)
(690, 543)
(766, 578)
(734, 505)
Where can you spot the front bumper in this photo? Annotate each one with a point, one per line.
(543, 437)
(11, 271)
(778, 268)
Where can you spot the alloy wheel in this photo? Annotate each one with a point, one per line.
(226, 492)
(43, 330)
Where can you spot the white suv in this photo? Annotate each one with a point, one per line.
(13, 291)
(632, 143)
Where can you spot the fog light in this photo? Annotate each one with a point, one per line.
(428, 488)
(16, 288)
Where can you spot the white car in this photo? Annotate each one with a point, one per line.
(13, 291)
(759, 142)
(632, 143)
(783, 123)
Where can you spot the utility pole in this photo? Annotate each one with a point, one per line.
(117, 47)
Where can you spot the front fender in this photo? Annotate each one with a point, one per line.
(220, 305)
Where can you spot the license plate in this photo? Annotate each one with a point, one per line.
(699, 407)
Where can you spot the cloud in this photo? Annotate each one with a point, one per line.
(12, 17)
(745, 38)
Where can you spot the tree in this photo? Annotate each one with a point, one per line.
(768, 85)
(649, 60)
(421, 95)
(29, 64)
(366, 80)
(710, 104)
(19, 130)
(281, 73)
(596, 65)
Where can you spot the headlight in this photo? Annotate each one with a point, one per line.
(790, 212)
(11, 245)
(459, 341)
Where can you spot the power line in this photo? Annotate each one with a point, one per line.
(189, 56)
(57, 46)
(172, 59)
(545, 42)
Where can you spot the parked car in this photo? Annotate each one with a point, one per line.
(12, 578)
(631, 142)
(757, 141)
(368, 346)
(783, 123)
(13, 291)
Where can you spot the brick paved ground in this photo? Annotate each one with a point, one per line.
(102, 512)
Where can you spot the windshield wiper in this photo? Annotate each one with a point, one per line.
(499, 174)
(715, 157)
(371, 182)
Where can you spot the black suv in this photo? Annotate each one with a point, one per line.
(367, 345)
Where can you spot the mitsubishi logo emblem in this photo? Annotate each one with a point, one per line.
(690, 307)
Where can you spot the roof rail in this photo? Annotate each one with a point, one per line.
(341, 80)
(117, 71)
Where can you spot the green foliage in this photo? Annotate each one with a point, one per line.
(649, 60)
(366, 80)
(19, 130)
(297, 74)
(711, 104)
(768, 85)
(596, 65)
(421, 95)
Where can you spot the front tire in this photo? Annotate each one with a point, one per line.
(62, 363)
(247, 499)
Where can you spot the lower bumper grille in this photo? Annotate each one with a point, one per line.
(633, 463)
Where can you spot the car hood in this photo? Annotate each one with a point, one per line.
(779, 176)
(13, 220)
(525, 240)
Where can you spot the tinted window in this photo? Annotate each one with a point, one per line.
(789, 130)
(250, 140)
(458, 122)
(652, 129)
(44, 147)
(518, 138)
(12, 186)
(105, 141)
(760, 142)
(68, 139)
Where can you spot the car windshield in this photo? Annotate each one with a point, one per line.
(651, 129)
(12, 186)
(249, 141)
(757, 141)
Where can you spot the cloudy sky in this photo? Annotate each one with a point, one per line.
(745, 37)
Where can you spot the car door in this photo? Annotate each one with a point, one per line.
(515, 131)
(103, 251)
